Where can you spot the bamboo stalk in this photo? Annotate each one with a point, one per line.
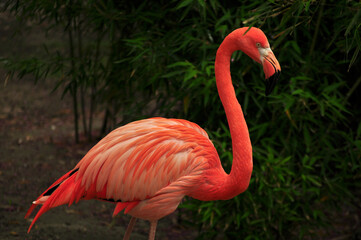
(318, 23)
(82, 78)
(73, 84)
(94, 86)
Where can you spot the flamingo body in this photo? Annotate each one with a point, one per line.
(146, 167)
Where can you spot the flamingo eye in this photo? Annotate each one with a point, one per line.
(258, 45)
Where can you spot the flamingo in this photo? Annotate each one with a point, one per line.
(146, 167)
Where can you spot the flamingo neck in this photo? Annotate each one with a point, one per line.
(238, 179)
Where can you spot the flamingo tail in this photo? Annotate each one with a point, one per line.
(67, 190)
(62, 191)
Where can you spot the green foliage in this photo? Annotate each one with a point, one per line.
(306, 135)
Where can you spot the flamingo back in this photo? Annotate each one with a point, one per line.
(137, 160)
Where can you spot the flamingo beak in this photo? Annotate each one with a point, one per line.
(271, 68)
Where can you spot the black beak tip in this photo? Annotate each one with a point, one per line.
(271, 82)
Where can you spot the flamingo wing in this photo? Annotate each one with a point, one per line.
(133, 163)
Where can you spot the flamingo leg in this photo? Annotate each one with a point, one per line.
(153, 227)
(129, 228)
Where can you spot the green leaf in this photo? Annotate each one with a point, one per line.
(184, 3)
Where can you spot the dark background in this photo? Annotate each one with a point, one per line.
(73, 70)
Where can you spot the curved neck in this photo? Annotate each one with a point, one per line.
(238, 179)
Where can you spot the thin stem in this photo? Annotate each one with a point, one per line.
(91, 110)
(94, 85)
(318, 23)
(354, 87)
(73, 84)
(105, 122)
(82, 78)
(82, 108)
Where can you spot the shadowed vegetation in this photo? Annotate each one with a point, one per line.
(138, 59)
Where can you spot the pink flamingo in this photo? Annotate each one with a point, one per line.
(146, 167)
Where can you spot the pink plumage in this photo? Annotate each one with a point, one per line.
(146, 167)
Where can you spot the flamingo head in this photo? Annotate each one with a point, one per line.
(256, 46)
